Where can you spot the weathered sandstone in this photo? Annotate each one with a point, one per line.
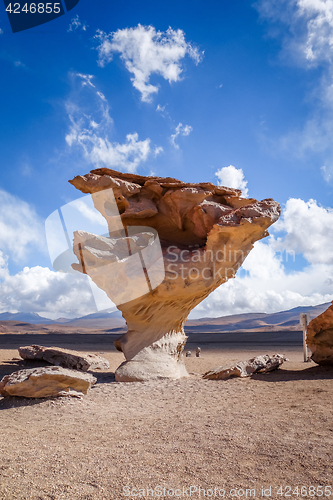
(259, 364)
(205, 233)
(45, 382)
(320, 337)
(65, 357)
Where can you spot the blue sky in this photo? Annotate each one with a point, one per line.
(229, 92)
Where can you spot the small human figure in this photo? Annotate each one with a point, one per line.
(198, 352)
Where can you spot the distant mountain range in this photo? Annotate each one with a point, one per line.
(102, 319)
(32, 318)
(284, 320)
(36, 319)
(112, 320)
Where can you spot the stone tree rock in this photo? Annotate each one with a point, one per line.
(65, 357)
(205, 232)
(46, 382)
(320, 337)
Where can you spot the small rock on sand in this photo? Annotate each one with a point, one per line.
(262, 364)
(66, 358)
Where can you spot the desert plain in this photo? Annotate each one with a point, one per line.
(267, 436)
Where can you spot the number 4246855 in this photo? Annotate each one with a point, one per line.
(41, 8)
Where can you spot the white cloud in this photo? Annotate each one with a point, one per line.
(1, 31)
(91, 130)
(101, 152)
(163, 111)
(318, 15)
(264, 284)
(21, 230)
(327, 173)
(146, 51)
(278, 289)
(180, 130)
(3, 266)
(35, 289)
(38, 289)
(232, 177)
(86, 79)
(309, 230)
(245, 295)
(308, 42)
(76, 23)
(310, 37)
(102, 96)
(313, 137)
(26, 169)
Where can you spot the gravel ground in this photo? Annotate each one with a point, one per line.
(226, 437)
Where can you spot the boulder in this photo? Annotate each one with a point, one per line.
(170, 245)
(65, 357)
(45, 382)
(320, 337)
(259, 364)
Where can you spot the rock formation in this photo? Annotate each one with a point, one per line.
(65, 357)
(45, 382)
(259, 364)
(320, 337)
(201, 234)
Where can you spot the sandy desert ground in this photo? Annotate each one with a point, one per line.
(190, 438)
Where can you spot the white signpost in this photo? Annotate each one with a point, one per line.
(305, 320)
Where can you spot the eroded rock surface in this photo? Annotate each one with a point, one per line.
(205, 232)
(65, 357)
(259, 364)
(46, 382)
(320, 337)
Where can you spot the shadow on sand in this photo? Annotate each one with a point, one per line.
(283, 375)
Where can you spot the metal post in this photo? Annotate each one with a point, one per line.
(304, 317)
